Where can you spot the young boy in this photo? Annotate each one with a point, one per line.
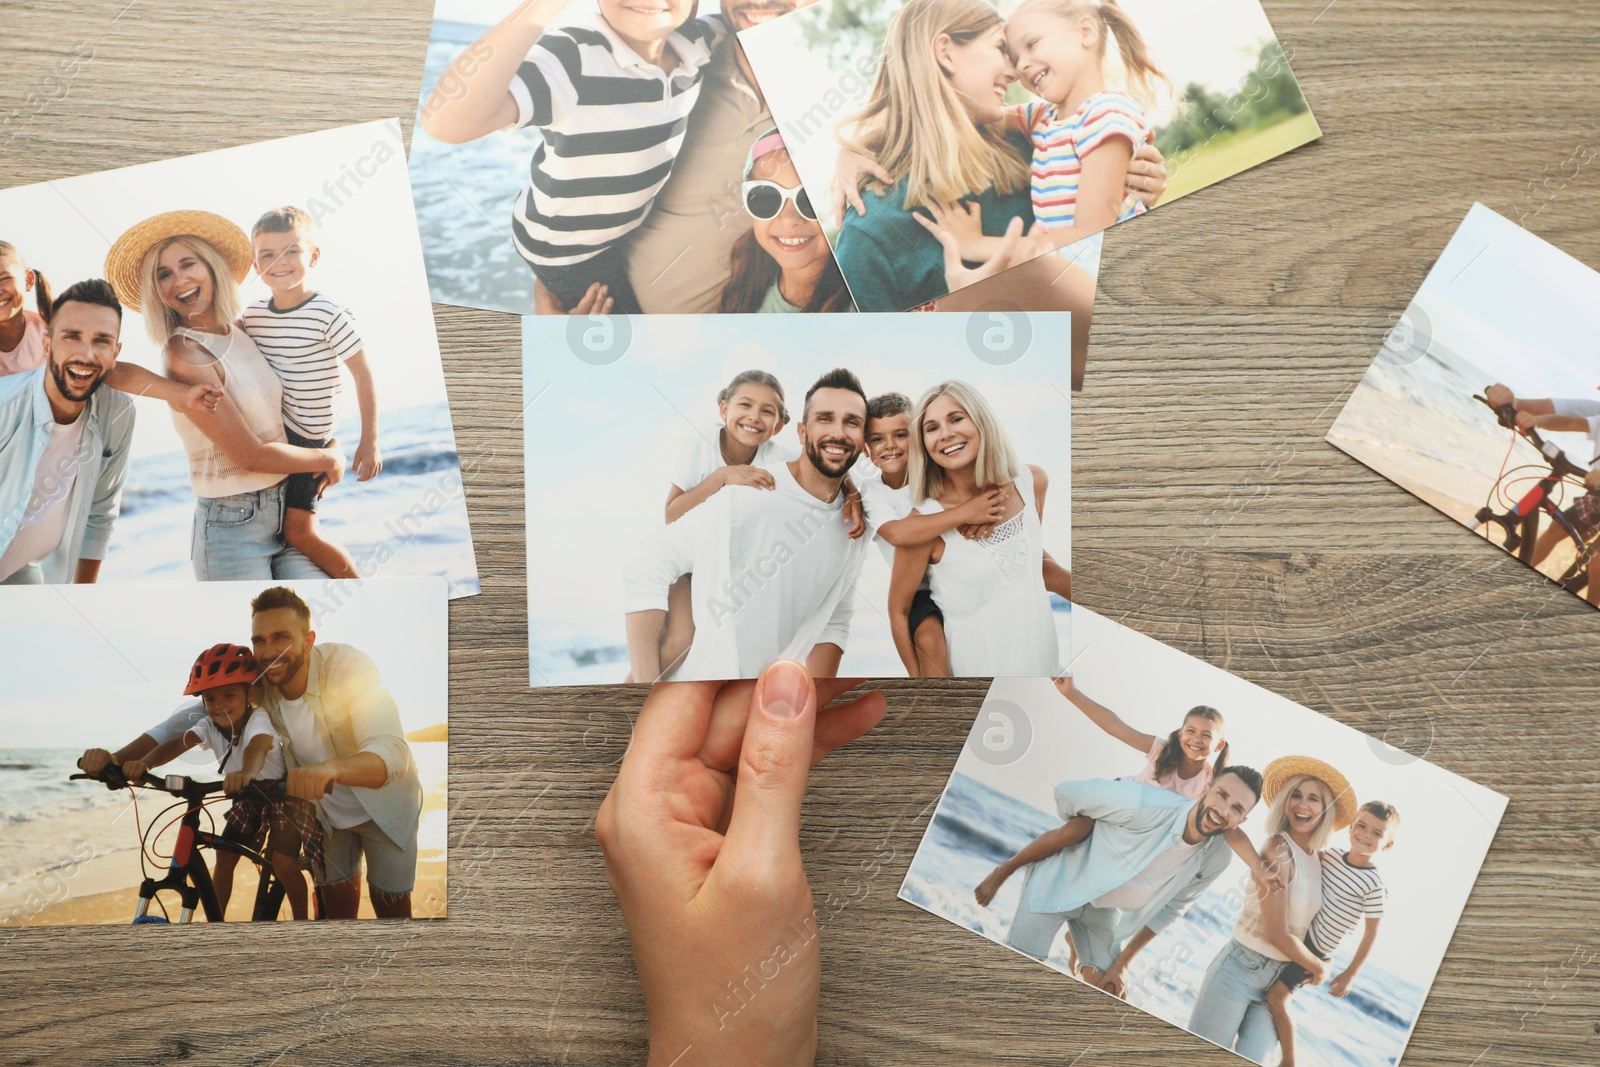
(305, 336)
(889, 444)
(1352, 890)
(247, 749)
(610, 91)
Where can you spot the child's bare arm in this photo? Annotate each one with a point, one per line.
(473, 97)
(368, 461)
(682, 501)
(1369, 937)
(917, 528)
(162, 754)
(255, 754)
(1104, 717)
(141, 381)
(1266, 877)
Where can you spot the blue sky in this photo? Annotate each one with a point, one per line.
(93, 665)
(1517, 307)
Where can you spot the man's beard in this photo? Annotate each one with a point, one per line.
(291, 665)
(820, 461)
(65, 385)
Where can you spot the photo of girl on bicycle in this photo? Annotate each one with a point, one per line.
(232, 763)
(1485, 399)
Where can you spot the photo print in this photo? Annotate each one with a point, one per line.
(953, 121)
(264, 752)
(1217, 856)
(707, 495)
(1484, 400)
(239, 378)
(587, 158)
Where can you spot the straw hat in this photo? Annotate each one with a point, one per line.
(127, 254)
(1280, 771)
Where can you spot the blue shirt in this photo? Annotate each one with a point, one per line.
(25, 427)
(1133, 824)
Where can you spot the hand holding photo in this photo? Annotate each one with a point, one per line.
(1093, 824)
(944, 120)
(1485, 399)
(781, 463)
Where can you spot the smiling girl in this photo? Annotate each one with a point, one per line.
(783, 263)
(735, 451)
(21, 331)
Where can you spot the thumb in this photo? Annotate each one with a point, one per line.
(773, 765)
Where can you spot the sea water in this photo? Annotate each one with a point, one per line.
(464, 195)
(415, 509)
(976, 827)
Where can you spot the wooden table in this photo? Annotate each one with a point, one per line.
(1229, 331)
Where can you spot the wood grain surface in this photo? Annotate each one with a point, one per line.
(1209, 513)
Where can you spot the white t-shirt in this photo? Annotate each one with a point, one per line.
(1139, 890)
(701, 456)
(39, 533)
(1589, 410)
(215, 741)
(786, 576)
(884, 504)
(342, 806)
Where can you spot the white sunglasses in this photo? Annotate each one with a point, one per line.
(764, 200)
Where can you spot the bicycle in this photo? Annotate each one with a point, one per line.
(1520, 522)
(187, 874)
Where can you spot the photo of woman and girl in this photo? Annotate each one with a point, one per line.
(276, 388)
(1120, 871)
(999, 137)
(774, 483)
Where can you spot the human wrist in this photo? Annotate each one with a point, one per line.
(676, 1043)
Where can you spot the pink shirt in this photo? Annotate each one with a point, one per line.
(1193, 788)
(29, 352)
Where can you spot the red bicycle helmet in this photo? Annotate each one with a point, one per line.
(221, 665)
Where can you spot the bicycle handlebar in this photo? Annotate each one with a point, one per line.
(183, 786)
(1506, 414)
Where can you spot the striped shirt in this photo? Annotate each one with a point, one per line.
(1059, 149)
(305, 345)
(1349, 894)
(612, 126)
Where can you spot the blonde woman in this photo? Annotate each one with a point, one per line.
(182, 269)
(992, 588)
(936, 131)
(1309, 800)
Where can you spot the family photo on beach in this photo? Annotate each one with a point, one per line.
(225, 367)
(263, 754)
(952, 128)
(1485, 399)
(846, 506)
(1210, 853)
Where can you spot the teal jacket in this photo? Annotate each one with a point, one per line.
(25, 427)
(892, 264)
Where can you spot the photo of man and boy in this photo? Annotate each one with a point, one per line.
(305, 759)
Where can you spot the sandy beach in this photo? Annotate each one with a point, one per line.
(82, 867)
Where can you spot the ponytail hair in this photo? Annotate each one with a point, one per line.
(42, 295)
(1172, 751)
(1143, 74)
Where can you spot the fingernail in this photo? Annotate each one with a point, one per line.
(784, 689)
